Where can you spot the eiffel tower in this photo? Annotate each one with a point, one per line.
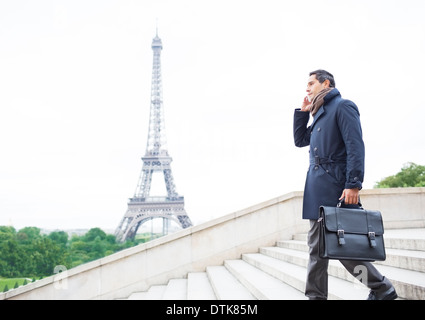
(142, 207)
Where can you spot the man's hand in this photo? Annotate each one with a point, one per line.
(351, 196)
(306, 105)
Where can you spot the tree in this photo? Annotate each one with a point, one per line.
(59, 237)
(93, 233)
(29, 253)
(411, 175)
(28, 235)
(12, 259)
(46, 254)
(7, 233)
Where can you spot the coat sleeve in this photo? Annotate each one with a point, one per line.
(301, 131)
(350, 127)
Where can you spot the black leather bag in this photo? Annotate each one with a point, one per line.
(351, 233)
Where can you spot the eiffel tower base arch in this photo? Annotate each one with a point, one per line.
(142, 210)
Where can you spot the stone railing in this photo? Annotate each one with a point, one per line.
(210, 243)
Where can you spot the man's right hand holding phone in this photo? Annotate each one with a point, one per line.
(306, 104)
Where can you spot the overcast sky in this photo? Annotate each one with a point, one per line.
(75, 80)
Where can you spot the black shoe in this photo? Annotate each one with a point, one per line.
(390, 294)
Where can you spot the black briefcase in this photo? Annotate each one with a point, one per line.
(351, 233)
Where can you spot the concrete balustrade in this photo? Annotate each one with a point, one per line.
(208, 244)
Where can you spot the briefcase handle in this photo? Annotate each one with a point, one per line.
(342, 200)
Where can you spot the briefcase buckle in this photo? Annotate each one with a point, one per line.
(371, 236)
(340, 234)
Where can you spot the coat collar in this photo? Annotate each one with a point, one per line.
(332, 94)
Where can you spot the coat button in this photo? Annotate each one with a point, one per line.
(315, 149)
(316, 167)
(318, 129)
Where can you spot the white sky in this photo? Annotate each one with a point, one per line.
(75, 79)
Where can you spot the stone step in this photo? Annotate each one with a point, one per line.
(154, 293)
(404, 259)
(261, 284)
(226, 286)
(408, 239)
(199, 287)
(175, 290)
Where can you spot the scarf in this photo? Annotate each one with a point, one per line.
(318, 100)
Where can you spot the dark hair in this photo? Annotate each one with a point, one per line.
(322, 75)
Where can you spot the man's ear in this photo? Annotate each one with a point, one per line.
(326, 83)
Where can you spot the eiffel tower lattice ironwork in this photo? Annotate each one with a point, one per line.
(143, 207)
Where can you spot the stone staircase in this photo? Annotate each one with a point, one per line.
(279, 272)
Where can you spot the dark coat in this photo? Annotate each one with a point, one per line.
(336, 151)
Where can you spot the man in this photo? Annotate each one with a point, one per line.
(336, 172)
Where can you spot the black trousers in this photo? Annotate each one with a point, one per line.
(317, 270)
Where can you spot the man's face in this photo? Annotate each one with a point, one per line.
(314, 86)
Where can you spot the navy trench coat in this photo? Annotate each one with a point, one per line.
(336, 151)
